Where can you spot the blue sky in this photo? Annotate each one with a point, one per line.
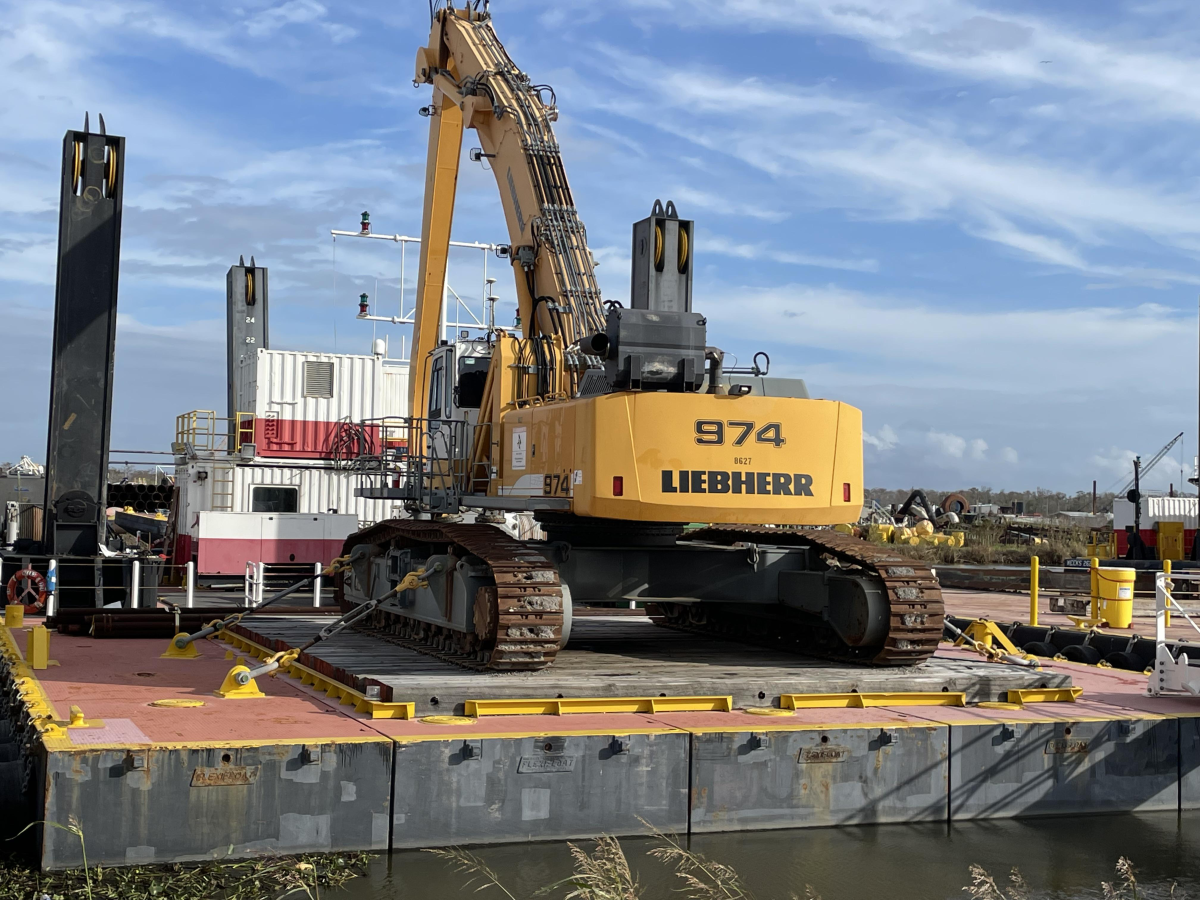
(978, 222)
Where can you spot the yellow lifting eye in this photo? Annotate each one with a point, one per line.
(249, 287)
(683, 250)
(111, 174)
(658, 246)
(78, 168)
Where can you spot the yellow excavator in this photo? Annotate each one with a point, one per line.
(615, 425)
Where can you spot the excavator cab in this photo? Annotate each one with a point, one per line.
(457, 379)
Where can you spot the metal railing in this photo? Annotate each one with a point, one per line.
(203, 430)
(1171, 673)
(428, 460)
(149, 582)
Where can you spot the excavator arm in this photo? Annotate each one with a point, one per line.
(476, 85)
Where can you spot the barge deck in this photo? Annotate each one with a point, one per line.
(317, 765)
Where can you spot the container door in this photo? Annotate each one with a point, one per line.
(1170, 540)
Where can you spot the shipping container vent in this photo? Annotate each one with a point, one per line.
(318, 379)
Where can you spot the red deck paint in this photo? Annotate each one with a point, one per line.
(102, 678)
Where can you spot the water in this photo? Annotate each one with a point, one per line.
(1060, 858)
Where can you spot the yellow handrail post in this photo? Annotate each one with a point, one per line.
(1033, 591)
(1095, 572)
(1170, 592)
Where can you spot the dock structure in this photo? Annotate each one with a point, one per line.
(371, 745)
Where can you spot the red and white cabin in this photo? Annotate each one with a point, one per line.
(1156, 509)
(287, 496)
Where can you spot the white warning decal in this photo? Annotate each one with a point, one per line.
(518, 447)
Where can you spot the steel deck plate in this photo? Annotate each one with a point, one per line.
(629, 656)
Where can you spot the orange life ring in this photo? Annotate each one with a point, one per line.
(18, 595)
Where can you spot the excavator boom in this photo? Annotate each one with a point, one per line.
(476, 85)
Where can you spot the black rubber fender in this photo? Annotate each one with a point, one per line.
(1123, 659)
(1081, 653)
(1041, 648)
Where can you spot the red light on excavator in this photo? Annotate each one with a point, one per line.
(846, 492)
(618, 486)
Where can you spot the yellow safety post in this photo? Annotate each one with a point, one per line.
(1170, 588)
(1033, 590)
(1095, 576)
(14, 615)
(39, 647)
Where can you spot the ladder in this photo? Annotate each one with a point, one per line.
(222, 488)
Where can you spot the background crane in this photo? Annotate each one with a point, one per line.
(1154, 461)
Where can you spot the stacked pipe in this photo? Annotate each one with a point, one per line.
(141, 498)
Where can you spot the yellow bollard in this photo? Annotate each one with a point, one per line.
(39, 647)
(1170, 592)
(14, 615)
(1033, 591)
(1095, 575)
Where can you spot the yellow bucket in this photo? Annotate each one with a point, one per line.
(1116, 596)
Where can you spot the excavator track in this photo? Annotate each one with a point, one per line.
(915, 598)
(518, 622)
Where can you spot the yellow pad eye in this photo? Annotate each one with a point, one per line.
(177, 703)
(78, 168)
(110, 172)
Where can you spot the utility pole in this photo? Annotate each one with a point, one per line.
(1137, 498)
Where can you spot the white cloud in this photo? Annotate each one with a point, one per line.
(1010, 456)
(1114, 462)
(885, 439)
(725, 247)
(1156, 76)
(831, 148)
(880, 332)
(949, 444)
(293, 12)
(978, 448)
(723, 204)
